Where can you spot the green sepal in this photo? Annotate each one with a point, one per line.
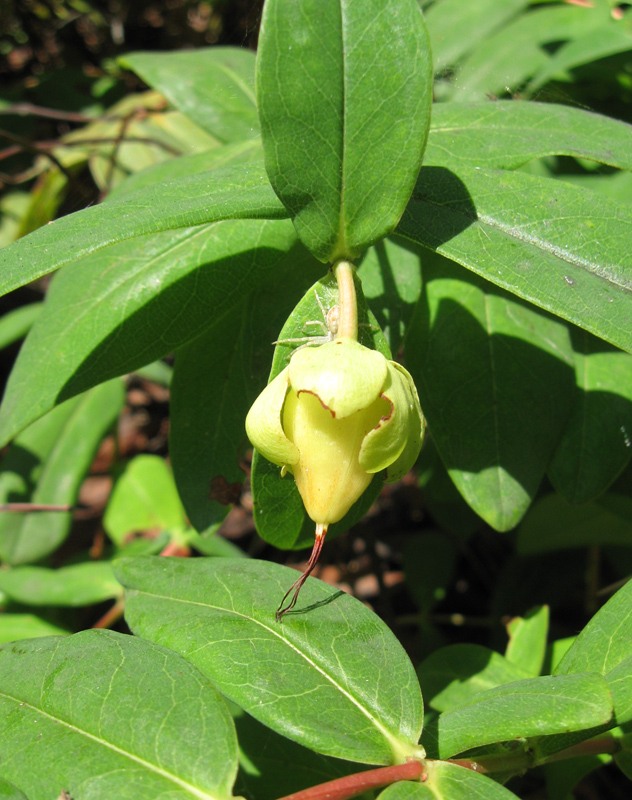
(415, 427)
(263, 423)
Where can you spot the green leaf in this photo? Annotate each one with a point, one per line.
(9, 792)
(214, 86)
(455, 674)
(136, 302)
(455, 27)
(14, 325)
(607, 639)
(546, 241)
(30, 536)
(237, 192)
(344, 92)
(76, 585)
(596, 445)
(619, 680)
(550, 705)
(318, 678)
(217, 377)
(25, 626)
(615, 37)
(554, 524)
(509, 57)
(280, 516)
(507, 134)
(448, 782)
(429, 562)
(473, 347)
(390, 273)
(527, 640)
(563, 776)
(144, 497)
(119, 717)
(273, 766)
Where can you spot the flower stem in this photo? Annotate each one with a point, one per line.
(347, 301)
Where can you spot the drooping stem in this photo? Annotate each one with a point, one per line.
(321, 531)
(347, 300)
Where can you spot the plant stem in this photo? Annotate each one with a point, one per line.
(359, 782)
(347, 301)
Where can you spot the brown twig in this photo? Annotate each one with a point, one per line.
(359, 782)
(29, 109)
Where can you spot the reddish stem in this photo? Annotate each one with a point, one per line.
(352, 785)
(321, 532)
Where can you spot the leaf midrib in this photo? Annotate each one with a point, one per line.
(151, 767)
(393, 742)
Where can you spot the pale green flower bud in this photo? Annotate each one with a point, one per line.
(334, 417)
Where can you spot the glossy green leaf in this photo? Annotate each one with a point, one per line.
(507, 134)
(217, 377)
(455, 27)
(100, 715)
(555, 524)
(136, 302)
(14, 325)
(448, 782)
(619, 680)
(237, 192)
(76, 585)
(607, 639)
(214, 86)
(279, 513)
(494, 381)
(25, 626)
(597, 443)
(455, 674)
(343, 163)
(514, 53)
(613, 38)
(30, 536)
(546, 241)
(144, 497)
(533, 707)
(527, 640)
(318, 678)
(391, 281)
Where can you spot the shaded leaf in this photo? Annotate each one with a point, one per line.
(97, 715)
(343, 164)
(527, 639)
(319, 678)
(448, 782)
(76, 585)
(14, 325)
(25, 626)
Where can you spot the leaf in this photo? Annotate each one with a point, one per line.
(429, 562)
(14, 325)
(595, 44)
(25, 626)
(487, 367)
(606, 641)
(448, 782)
(238, 192)
(119, 717)
(619, 680)
(455, 28)
(562, 776)
(9, 792)
(214, 86)
(280, 516)
(556, 704)
(76, 585)
(327, 661)
(596, 444)
(217, 377)
(30, 536)
(144, 497)
(527, 640)
(455, 674)
(136, 302)
(343, 164)
(390, 273)
(546, 241)
(554, 524)
(508, 134)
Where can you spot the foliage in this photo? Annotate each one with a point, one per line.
(498, 272)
